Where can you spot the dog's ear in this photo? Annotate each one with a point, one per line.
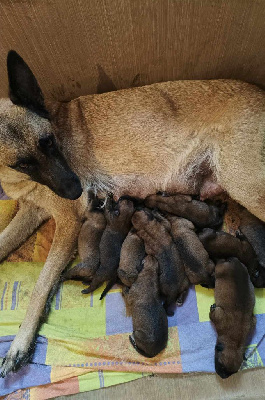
(23, 87)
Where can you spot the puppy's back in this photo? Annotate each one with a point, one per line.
(233, 288)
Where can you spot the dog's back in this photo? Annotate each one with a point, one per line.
(142, 140)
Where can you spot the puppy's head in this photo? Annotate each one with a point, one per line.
(119, 214)
(228, 359)
(27, 144)
(141, 217)
(147, 346)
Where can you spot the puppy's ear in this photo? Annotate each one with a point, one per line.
(23, 87)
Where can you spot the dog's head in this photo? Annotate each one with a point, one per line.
(27, 144)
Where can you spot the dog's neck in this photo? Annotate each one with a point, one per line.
(76, 143)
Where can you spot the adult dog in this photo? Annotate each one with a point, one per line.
(193, 137)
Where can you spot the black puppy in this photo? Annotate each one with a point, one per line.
(150, 326)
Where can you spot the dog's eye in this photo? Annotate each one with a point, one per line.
(23, 165)
(46, 142)
(49, 142)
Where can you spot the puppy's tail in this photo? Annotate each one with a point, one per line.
(108, 287)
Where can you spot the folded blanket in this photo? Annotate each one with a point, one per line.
(84, 343)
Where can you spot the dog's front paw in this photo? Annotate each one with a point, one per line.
(19, 354)
(13, 361)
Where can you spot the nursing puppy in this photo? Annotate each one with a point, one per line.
(198, 266)
(150, 326)
(254, 230)
(118, 216)
(88, 242)
(158, 242)
(232, 315)
(198, 212)
(223, 245)
(131, 259)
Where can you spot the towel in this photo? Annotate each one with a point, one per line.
(84, 343)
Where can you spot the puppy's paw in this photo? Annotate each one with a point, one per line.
(240, 235)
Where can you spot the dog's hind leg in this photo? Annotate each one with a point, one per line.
(27, 219)
(64, 244)
(240, 169)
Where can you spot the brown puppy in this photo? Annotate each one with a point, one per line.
(132, 256)
(159, 243)
(150, 326)
(118, 216)
(198, 212)
(88, 242)
(254, 230)
(223, 245)
(232, 315)
(198, 266)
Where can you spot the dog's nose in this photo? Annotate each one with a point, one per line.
(222, 371)
(70, 188)
(75, 190)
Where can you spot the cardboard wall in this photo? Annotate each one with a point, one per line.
(78, 47)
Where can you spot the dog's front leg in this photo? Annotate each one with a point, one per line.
(27, 219)
(62, 249)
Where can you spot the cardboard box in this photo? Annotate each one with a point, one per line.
(76, 47)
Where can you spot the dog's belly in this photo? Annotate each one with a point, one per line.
(141, 187)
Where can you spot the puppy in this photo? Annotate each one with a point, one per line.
(88, 243)
(254, 230)
(198, 266)
(159, 243)
(199, 213)
(232, 314)
(150, 326)
(223, 245)
(118, 216)
(131, 259)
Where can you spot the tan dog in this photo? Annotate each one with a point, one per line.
(232, 315)
(150, 326)
(173, 282)
(178, 137)
(198, 266)
(131, 259)
(222, 245)
(198, 212)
